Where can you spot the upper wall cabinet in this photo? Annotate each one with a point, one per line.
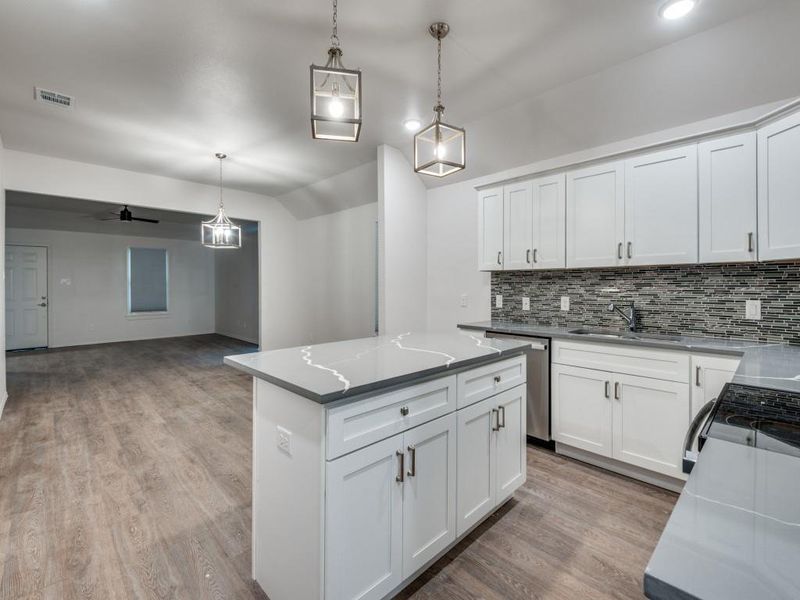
(595, 208)
(727, 186)
(490, 229)
(548, 227)
(518, 216)
(779, 189)
(661, 207)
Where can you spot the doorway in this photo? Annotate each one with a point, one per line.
(26, 297)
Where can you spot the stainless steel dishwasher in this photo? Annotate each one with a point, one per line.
(538, 384)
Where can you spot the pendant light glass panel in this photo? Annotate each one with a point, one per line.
(439, 149)
(220, 232)
(335, 101)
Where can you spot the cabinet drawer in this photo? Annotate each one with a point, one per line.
(480, 383)
(359, 424)
(670, 365)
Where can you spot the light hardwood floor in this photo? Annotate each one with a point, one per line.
(125, 473)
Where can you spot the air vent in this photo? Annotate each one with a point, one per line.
(53, 98)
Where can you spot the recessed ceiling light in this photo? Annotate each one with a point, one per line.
(412, 124)
(675, 9)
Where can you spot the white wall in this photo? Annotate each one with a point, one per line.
(236, 289)
(281, 316)
(337, 269)
(87, 287)
(3, 391)
(403, 216)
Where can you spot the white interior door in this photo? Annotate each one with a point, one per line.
(429, 497)
(26, 297)
(549, 222)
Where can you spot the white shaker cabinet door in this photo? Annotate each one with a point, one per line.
(661, 207)
(511, 460)
(779, 189)
(727, 184)
(549, 222)
(595, 214)
(490, 229)
(581, 405)
(429, 495)
(476, 469)
(517, 211)
(364, 522)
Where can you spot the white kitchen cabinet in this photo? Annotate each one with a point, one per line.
(709, 376)
(650, 420)
(661, 207)
(728, 198)
(779, 189)
(476, 454)
(429, 493)
(511, 438)
(490, 229)
(548, 222)
(595, 215)
(364, 522)
(581, 408)
(517, 219)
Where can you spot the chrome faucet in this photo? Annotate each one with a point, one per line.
(629, 316)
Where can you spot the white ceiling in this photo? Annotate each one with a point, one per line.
(161, 86)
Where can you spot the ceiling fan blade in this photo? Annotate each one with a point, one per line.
(145, 220)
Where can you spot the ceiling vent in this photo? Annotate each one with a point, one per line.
(53, 98)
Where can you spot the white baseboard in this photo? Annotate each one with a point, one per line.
(237, 336)
(3, 399)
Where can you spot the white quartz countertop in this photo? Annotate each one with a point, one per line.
(329, 372)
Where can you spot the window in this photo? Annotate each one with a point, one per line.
(147, 280)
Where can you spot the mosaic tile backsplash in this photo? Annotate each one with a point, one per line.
(687, 299)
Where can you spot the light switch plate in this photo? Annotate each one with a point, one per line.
(498, 301)
(464, 301)
(752, 310)
(526, 304)
(564, 302)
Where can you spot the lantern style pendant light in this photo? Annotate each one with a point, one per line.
(335, 95)
(220, 232)
(439, 149)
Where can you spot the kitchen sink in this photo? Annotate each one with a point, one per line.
(624, 335)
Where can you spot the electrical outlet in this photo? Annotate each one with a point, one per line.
(752, 310)
(498, 301)
(526, 304)
(564, 302)
(284, 440)
(464, 301)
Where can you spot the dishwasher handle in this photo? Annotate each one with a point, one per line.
(535, 343)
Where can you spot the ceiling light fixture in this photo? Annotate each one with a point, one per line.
(676, 9)
(335, 95)
(220, 232)
(412, 124)
(439, 149)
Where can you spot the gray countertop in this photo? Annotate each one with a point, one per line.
(329, 372)
(735, 531)
(775, 366)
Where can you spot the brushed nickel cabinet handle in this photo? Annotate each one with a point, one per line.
(630, 249)
(608, 389)
(499, 258)
(43, 304)
(497, 420)
(501, 411)
(401, 474)
(535, 260)
(616, 390)
(497, 378)
(404, 411)
(412, 451)
(619, 251)
(528, 256)
(697, 376)
(750, 245)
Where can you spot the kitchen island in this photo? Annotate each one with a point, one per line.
(373, 457)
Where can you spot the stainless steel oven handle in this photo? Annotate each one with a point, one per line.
(690, 456)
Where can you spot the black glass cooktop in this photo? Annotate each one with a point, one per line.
(758, 417)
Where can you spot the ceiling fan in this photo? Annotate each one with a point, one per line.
(126, 215)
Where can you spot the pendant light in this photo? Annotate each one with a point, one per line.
(220, 232)
(335, 95)
(439, 149)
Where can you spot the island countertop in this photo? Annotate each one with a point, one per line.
(329, 372)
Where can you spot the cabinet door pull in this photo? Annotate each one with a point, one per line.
(412, 451)
(528, 256)
(697, 375)
(616, 390)
(401, 473)
(499, 258)
(497, 379)
(496, 419)
(404, 411)
(750, 245)
(630, 249)
(535, 260)
(608, 389)
(501, 411)
(619, 251)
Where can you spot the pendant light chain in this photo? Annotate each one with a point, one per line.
(335, 34)
(220, 183)
(439, 71)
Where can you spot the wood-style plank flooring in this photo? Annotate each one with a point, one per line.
(125, 473)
